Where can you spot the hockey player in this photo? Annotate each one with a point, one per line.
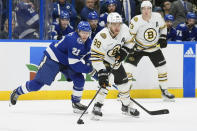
(66, 6)
(62, 28)
(70, 56)
(27, 21)
(110, 45)
(93, 21)
(171, 31)
(148, 30)
(187, 31)
(111, 7)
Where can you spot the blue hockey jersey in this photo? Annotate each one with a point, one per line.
(27, 20)
(57, 7)
(103, 19)
(70, 50)
(186, 34)
(57, 32)
(171, 34)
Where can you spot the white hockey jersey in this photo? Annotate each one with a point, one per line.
(104, 46)
(146, 33)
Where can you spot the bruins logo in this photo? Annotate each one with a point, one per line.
(113, 51)
(150, 34)
(103, 35)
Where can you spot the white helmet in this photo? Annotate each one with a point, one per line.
(114, 17)
(147, 4)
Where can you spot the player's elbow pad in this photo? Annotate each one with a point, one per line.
(162, 41)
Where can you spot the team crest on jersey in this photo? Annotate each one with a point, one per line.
(131, 59)
(103, 35)
(113, 51)
(136, 19)
(79, 41)
(150, 34)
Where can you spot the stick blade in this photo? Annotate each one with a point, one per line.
(159, 112)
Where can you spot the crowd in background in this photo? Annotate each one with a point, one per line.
(62, 16)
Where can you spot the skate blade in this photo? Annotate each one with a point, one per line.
(95, 117)
(77, 111)
(128, 114)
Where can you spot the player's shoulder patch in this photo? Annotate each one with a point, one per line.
(135, 19)
(103, 35)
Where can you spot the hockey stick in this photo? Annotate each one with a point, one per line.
(80, 121)
(157, 112)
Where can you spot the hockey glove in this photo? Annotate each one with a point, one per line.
(122, 54)
(162, 41)
(103, 78)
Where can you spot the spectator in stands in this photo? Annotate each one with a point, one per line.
(97, 6)
(179, 10)
(27, 21)
(4, 34)
(111, 7)
(62, 28)
(64, 5)
(93, 19)
(171, 31)
(187, 31)
(79, 5)
(127, 9)
(158, 9)
(166, 7)
(89, 7)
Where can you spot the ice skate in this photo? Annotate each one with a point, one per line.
(96, 112)
(126, 110)
(79, 108)
(167, 96)
(13, 98)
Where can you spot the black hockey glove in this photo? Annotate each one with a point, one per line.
(103, 78)
(122, 54)
(162, 41)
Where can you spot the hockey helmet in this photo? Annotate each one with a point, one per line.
(169, 18)
(146, 4)
(64, 15)
(114, 17)
(191, 15)
(84, 26)
(109, 2)
(93, 16)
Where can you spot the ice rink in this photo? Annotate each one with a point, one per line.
(57, 115)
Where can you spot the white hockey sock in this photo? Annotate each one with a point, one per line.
(162, 76)
(101, 95)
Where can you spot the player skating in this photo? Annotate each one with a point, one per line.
(70, 56)
(110, 45)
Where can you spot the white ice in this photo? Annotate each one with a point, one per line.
(57, 115)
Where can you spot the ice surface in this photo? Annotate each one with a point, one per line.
(57, 115)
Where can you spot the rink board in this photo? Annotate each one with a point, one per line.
(20, 59)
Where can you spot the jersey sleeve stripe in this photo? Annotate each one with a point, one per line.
(162, 27)
(97, 52)
(73, 61)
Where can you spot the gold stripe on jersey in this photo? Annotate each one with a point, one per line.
(132, 33)
(96, 60)
(162, 27)
(97, 52)
(96, 56)
(138, 42)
